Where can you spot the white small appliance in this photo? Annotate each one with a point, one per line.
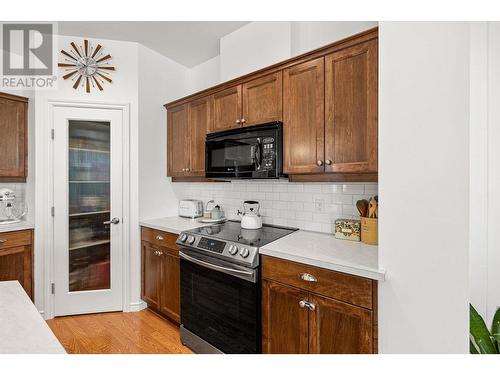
(12, 209)
(250, 217)
(191, 208)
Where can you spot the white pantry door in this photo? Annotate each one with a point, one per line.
(88, 189)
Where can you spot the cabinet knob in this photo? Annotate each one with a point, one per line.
(308, 277)
(2, 241)
(159, 238)
(243, 120)
(328, 162)
(238, 121)
(319, 162)
(309, 305)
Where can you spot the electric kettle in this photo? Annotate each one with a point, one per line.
(250, 217)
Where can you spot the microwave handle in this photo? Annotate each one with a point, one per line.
(258, 153)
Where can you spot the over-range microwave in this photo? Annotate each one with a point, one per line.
(250, 152)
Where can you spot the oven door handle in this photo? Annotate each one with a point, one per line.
(215, 267)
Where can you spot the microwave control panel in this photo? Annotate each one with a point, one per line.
(268, 153)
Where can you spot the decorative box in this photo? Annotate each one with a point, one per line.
(348, 229)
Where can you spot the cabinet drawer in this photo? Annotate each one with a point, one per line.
(159, 238)
(18, 238)
(352, 289)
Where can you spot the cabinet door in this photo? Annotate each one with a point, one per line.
(151, 263)
(199, 124)
(284, 322)
(303, 117)
(170, 285)
(339, 328)
(178, 141)
(227, 109)
(262, 100)
(16, 264)
(351, 109)
(13, 139)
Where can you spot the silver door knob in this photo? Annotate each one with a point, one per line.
(328, 162)
(319, 162)
(114, 220)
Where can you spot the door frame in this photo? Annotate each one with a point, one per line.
(48, 239)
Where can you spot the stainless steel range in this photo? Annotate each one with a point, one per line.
(220, 286)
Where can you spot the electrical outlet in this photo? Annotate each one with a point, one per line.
(319, 205)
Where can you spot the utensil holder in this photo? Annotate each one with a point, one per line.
(369, 231)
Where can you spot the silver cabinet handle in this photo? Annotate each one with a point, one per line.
(328, 162)
(114, 220)
(308, 277)
(2, 241)
(159, 238)
(309, 305)
(319, 162)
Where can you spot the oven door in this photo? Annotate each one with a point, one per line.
(220, 303)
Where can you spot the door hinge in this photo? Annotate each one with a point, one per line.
(52, 211)
(53, 288)
(52, 131)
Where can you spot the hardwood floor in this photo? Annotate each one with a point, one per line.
(141, 332)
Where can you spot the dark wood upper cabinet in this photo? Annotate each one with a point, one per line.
(178, 141)
(14, 138)
(339, 328)
(303, 117)
(161, 273)
(226, 106)
(262, 100)
(199, 124)
(16, 258)
(351, 109)
(284, 322)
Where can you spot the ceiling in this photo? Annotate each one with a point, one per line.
(187, 42)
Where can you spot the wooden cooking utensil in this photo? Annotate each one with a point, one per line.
(372, 208)
(362, 206)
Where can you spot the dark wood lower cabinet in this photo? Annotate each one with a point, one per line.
(161, 273)
(284, 322)
(297, 320)
(338, 327)
(16, 258)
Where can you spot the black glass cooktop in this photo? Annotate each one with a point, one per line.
(232, 231)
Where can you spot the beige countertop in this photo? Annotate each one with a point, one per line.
(23, 330)
(173, 224)
(325, 251)
(22, 225)
(312, 248)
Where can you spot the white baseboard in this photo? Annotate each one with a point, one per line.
(137, 306)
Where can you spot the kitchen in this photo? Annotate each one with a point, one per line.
(206, 200)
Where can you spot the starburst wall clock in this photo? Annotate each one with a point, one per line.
(87, 66)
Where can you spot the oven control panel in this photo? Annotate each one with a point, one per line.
(211, 245)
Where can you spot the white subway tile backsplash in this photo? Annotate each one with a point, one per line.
(309, 206)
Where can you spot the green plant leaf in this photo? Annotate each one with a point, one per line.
(495, 329)
(472, 347)
(480, 333)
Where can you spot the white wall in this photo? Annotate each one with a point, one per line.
(423, 184)
(124, 89)
(309, 35)
(204, 75)
(252, 47)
